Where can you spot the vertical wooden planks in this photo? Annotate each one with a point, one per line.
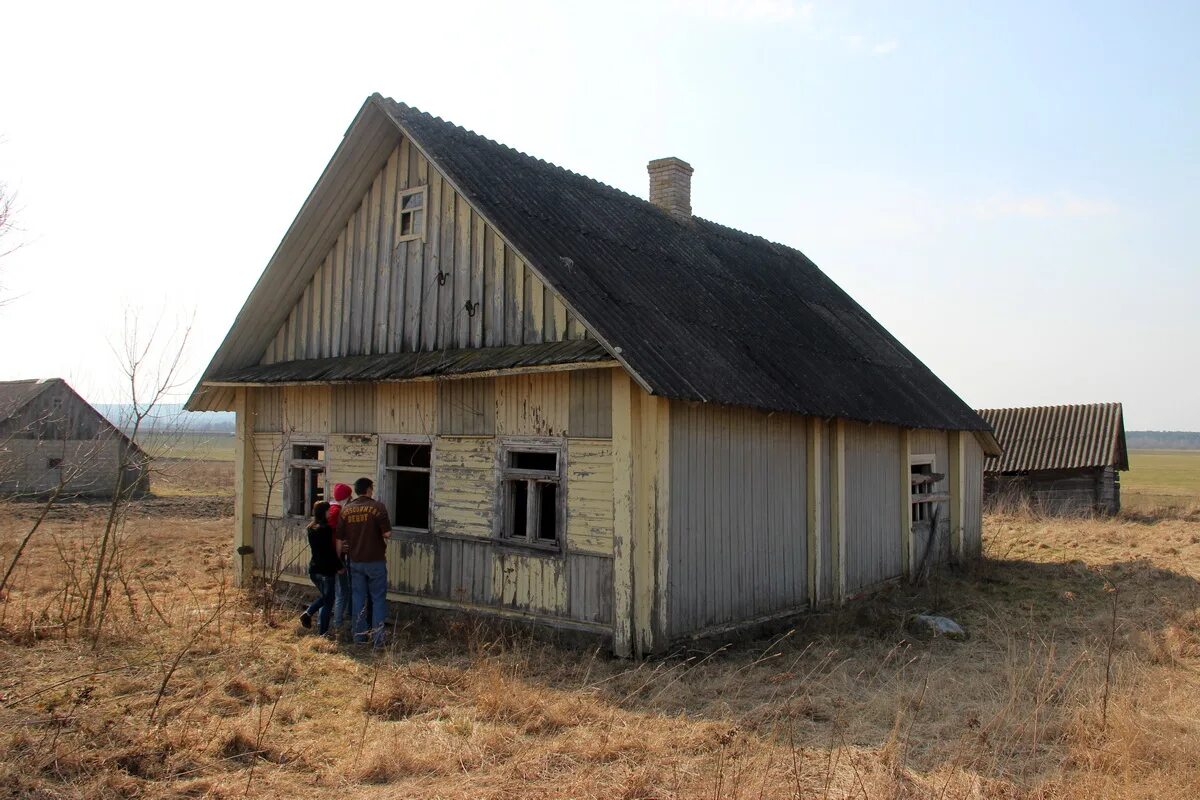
(406, 408)
(446, 312)
(461, 318)
(477, 296)
(467, 407)
(383, 279)
(591, 403)
(532, 404)
(535, 307)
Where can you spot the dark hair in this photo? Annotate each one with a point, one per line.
(319, 514)
(363, 485)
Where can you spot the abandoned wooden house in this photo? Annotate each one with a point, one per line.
(51, 440)
(1058, 459)
(582, 408)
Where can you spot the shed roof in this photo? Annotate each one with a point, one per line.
(1058, 437)
(15, 395)
(694, 310)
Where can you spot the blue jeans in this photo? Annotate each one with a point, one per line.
(368, 581)
(324, 601)
(341, 598)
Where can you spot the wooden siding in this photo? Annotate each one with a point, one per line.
(467, 407)
(533, 405)
(353, 408)
(973, 496)
(266, 407)
(590, 496)
(349, 457)
(826, 530)
(410, 565)
(281, 547)
(873, 505)
(406, 408)
(591, 403)
(306, 409)
(738, 525)
(529, 582)
(267, 466)
(464, 479)
(88, 468)
(457, 286)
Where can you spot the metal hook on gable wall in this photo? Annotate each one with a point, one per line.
(441, 277)
(471, 308)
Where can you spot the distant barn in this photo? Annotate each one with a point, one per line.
(51, 439)
(1062, 459)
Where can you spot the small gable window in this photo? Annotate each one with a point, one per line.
(412, 214)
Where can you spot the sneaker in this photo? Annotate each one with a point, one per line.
(306, 619)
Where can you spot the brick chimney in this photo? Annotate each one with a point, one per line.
(671, 186)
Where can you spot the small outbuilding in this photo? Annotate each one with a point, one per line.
(51, 440)
(1060, 459)
(583, 408)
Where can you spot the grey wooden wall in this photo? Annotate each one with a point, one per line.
(737, 532)
(873, 504)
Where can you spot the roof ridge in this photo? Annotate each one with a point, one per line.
(523, 154)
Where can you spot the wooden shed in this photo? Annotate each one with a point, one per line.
(1059, 459)
(51, 440)
(583, 409)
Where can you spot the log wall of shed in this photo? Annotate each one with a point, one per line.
(460, 562)
(378, 292)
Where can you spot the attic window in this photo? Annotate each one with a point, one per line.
(412, 214)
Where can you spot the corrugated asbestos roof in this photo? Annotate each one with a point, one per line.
(694, 310)
(1058, 437)
(402, 366)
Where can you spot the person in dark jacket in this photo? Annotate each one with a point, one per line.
(323, 568)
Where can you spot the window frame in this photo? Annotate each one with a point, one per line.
(305, 464)
(384, 477)
(418, 231)
(506, 474)
(924, 494)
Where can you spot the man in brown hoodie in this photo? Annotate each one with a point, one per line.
(364, 527)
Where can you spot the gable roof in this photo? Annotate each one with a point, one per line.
(15, 396)
(1058, 437)
(693, 310)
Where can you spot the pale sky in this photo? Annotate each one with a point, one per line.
(1011, 188)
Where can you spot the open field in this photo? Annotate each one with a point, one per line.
(190, 445)
(195, 690)
(1159, 478)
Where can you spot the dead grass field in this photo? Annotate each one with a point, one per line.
(190, 693)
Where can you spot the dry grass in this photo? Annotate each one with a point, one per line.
(845, 706)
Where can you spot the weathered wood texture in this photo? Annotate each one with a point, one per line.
(930, 547)
(738, 528)
(873, 505)
(86, 468)
(457, 286)
(467, 407)
(973, 461)
(1094, 490)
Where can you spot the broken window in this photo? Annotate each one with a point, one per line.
(406, 484)
(412, 214)
(306, 478)
(925, 494)
(531, 482)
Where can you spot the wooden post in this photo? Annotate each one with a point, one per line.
(906, 537)
(814, 555)
(651, 487)
(837, 508)
(623, 480)
(243, 470)
(958, 496)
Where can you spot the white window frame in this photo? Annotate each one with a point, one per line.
(419, 222)
(924, 495)
(506, 474)
(306, 464)
(384, 479)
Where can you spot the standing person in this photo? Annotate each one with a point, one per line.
(341, 595)
(365, 528)
(323, 568)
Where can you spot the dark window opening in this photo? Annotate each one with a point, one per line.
(531, 459)
(54, 463)
(408, 484)
(518, 509)
(922, 478)
(548, 513)
(532, 497)
(412, 213)
(308, 452)
(306, 479)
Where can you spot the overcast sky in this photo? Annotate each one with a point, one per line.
(1011, 188)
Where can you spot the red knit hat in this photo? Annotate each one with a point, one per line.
(341, 492)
